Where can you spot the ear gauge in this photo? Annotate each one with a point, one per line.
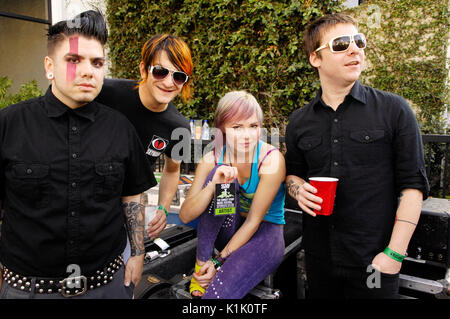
(50, 76)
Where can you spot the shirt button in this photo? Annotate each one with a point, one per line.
(335, 163)
(335, 140)
(74, 155)
(367, 137)
(74, 184)
(336, 120)
(74, 128)
(72, 214)
(29, 171)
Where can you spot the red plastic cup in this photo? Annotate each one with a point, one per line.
(326, 189)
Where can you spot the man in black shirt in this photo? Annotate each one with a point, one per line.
(165, 69)
(370, 140)
(71, 176)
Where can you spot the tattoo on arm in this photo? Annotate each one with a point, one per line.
(292, 188)
(135, 221)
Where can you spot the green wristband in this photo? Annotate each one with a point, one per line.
(161, 207)
(394, 255)
(217, 264)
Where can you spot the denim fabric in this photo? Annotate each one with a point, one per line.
(209, 226)
(248, 265)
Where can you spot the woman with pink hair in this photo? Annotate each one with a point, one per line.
(250, 241)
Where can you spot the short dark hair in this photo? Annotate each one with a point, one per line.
(313, 33)
(90, 24)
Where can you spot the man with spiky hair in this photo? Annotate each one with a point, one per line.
(71, 175)
(166, 67)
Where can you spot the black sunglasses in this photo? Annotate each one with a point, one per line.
(159, 73)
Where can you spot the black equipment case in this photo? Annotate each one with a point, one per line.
(426, 269)
(167, 275)
(167, 258)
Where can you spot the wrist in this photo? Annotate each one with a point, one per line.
(210, 189)
(393, 254)
(161, 207)
(218, 261)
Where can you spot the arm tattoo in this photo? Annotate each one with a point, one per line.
(292, 188)
(135, 221)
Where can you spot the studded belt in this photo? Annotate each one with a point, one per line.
(68, 287)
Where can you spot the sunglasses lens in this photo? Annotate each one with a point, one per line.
(360, 41)
(340, 43)
(159, 72)
(179, 77)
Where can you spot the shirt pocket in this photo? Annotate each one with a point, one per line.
(109, 177)
(365, 147)
(311, 149)
(29, 183)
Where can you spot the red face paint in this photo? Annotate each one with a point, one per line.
(71, 67)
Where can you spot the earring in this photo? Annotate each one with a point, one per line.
(50, 75)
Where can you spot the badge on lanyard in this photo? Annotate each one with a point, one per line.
(225, 199)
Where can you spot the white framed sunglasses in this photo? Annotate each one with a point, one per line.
(159, 73)
(342, 43)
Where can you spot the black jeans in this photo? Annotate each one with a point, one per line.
(332, 282)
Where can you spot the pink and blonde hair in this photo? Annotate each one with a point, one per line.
(236, 106)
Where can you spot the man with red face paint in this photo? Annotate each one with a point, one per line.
(71, 175)
(370, 140)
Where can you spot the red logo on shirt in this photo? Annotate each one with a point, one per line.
(157, 146)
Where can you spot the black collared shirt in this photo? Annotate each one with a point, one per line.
(62, 175)
(372, 143)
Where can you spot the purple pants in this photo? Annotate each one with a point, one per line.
(245, 267)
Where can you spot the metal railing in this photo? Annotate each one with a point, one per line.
(437, 157)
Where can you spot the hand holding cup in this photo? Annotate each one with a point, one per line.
(326, 190)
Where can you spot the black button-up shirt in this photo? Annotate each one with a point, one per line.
(372, 143)
(62, 175)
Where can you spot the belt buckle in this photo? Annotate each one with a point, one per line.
(71, 279)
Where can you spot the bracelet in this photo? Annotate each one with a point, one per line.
(394, 255)
(161, 207)
(405, 221)
(218, 261)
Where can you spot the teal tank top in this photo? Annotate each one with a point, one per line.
(275, 214)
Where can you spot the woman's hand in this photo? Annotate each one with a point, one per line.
(225, 174)
(205, 274)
